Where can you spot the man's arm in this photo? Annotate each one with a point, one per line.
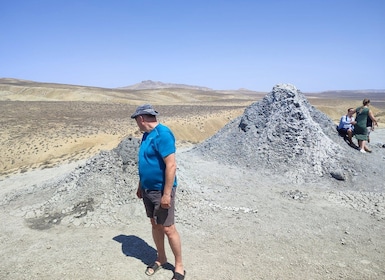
(170, 173)
(374, 121)
(139, 191)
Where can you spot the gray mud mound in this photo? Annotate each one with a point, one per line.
(282, 134)
(99, 192)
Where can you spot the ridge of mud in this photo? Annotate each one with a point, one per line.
(86, 196)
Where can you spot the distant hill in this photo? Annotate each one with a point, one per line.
(146, 91)
(365, 93)
(156, 92)
(28, 83)
(148, 84)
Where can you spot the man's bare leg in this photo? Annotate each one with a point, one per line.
(176, 247)
(158, 236)
(350, 135)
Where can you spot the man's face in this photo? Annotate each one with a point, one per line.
(139, 121)
(350, 112)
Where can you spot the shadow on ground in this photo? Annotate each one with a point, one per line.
(133, 246)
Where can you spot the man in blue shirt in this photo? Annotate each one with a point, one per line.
(157, 185)
(346, 125)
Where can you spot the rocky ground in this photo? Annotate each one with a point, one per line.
(270, 196)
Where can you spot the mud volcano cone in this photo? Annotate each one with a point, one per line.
(281, 134)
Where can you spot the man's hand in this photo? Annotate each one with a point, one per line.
(139, 193)
(165, 202)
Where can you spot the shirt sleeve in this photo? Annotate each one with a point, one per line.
(166, 144)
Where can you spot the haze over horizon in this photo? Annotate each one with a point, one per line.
(314, 45)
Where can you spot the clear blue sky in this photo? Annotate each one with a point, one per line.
(316, 45)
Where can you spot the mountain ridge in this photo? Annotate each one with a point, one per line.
(149, 84)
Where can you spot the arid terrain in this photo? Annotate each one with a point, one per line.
(43, 124)
(268, 229)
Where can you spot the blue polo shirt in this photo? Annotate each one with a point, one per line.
(155, 145)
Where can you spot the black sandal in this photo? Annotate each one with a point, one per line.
(178, 276)
(151, 269)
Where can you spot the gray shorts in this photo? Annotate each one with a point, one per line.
(151, 200)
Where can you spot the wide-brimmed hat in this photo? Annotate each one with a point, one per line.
(145, 109)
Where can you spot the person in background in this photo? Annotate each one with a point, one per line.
(360, 128)
(346, 126)
(157, 186)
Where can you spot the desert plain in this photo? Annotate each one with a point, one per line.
(234, 223)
